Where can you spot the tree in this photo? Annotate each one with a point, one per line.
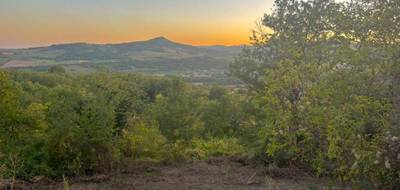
(177, 112)
(80, 140)
(57, 69)
(22, 132)
(326, 75)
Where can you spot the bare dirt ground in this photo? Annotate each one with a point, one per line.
(218, 174)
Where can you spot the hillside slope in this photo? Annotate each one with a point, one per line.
(156, 56)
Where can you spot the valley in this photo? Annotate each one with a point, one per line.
(158, 56)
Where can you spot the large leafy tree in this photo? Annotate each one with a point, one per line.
(328, 76)
(177, 111)
(81, 136)
(22, 132)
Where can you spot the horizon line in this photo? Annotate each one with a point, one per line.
(113, 43)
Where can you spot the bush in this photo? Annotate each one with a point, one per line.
(142, 141)
(68, 125)
(203, 149)
(176, 152)
(57, 69)
(200, 149)
(80, 139)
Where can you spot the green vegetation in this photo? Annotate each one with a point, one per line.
(158, 56)
(59, 124)
(323, 95)
(328, 83)
(57, 69)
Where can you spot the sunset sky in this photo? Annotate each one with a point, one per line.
(27, 23)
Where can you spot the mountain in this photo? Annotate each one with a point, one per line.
(155, 56)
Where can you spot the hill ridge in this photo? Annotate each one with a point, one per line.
(155, 39)
(156, 55)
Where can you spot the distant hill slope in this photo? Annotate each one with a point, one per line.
(156, 56)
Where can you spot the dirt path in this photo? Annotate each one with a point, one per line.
(218, 174)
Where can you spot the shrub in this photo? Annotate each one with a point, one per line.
(80, 139)
(142, 141)
(203, 149)
(57, 69)
(176, 151)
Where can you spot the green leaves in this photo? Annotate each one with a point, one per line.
(328, 87)
(72, 124)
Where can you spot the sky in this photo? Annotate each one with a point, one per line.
(30, 23)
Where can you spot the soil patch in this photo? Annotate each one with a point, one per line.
(219, 173)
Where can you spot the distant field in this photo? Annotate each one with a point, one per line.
(26, 63)
(31, 63)
(3, 60)
(17, 63)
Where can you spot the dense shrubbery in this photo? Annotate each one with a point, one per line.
(328, 80)
(59, 124)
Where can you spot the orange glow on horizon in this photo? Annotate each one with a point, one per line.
(47, 22)
(42, 34)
